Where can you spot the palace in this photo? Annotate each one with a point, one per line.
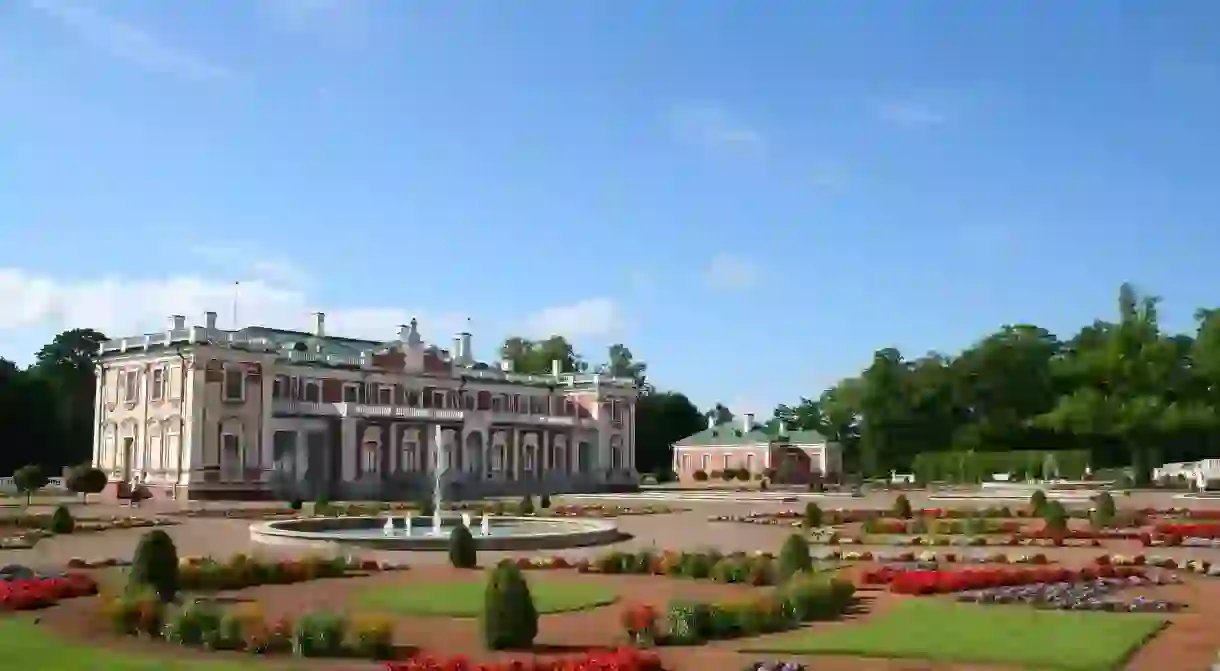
(197, 412)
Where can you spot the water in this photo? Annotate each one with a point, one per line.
(524, 528)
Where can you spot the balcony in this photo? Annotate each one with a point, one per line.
(286, 407)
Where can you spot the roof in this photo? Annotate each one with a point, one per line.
(729, 433)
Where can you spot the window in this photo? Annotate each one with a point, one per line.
(408, 461)
(312, 392)
(279, 388)
(154, 450)
(750, 463)
(158, 384)
(170, 458)
(131, 386)
(351, 393)
(235, 384)
(371, 461)
(686, 462)
(724, 463)
(385, 394)
(527, 459)
(703, 463)
(495, 404)
(517, 404)
(438, 399)
(413, 398)
(468, 401)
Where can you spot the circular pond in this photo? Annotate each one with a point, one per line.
(400, 533)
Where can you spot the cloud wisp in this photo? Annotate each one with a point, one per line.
(710, 126)
(130, 43)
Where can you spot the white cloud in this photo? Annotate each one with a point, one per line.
(911, 113)
(129, 42)
(592, 317)
(730, 273)
(328, 18)
(710, 126)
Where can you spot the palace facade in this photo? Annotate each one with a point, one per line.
(198, 412)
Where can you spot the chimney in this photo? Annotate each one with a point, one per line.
(783, 429)
(319, 324)
(404, 332)
(711, 422)
(556, 367)
(177, 322)
(467, 355)
(209, 321)
(506, 365)
(747, 422)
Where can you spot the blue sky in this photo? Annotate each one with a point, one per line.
(752, 196)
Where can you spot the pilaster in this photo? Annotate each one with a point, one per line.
(347, 450)
(266, 437)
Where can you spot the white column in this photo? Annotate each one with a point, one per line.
(543, 458)
(301, 451)
(516, 454)
(266, 447)
(822, 458)
(440, 455)
(631, 438)
(99, 402)
(347, 451)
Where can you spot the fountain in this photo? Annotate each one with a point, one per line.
(509, 533)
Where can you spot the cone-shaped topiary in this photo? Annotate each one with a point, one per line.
(1106, 510)
(61, 521)
(509, 618)
(544, 501)
(813, 516)
(462, 553)
(155, 565)
(902, 507)
(1037, 503)
(527, 505)
(1056, 518)
(794, 557)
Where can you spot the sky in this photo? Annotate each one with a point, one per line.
(753, 196)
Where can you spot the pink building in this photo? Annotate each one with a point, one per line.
(798, 456)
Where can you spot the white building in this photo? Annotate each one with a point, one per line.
(200, 412)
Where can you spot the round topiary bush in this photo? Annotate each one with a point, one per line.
(527, 505)
(462, 553)
(902, 507)
(794, 557)
(813, 516)
(155, 565)
(296, 504)
(61, 521)
(509, 618)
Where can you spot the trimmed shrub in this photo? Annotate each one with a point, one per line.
(85, 480)
(1037, 503)
(700, 476)
(1106, 510)
(794, 557)
(813, 516)
(462, 553)
(1056, 517)
(544, 501)
(155, 565)
(509, 618)
(426, 508)
(61, 521)
(527, 505)
(29, 479)
(296, 504)
(902, 507)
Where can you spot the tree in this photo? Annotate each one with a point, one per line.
(720, 413)
(662, 418)
(509, 620)
(536, 356)
(85, 480)
(155, 565)
(620, 363)
(29, 479)
(462, 552)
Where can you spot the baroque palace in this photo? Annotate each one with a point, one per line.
(199, 412)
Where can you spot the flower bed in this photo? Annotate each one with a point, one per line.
(22, 589)
(923, 582)
(33, 528)
(1198, 566)
(755, 569)
(929, 556)
(627, 659)
(241, 571)
(1094, 595)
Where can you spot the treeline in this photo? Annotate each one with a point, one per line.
(1124, 392)
(46, 410)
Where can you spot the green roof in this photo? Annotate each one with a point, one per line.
(730, 433)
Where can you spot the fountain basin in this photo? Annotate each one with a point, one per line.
(507, 533)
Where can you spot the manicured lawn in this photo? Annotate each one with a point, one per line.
(943, 631)
(25, 645)
(465, 599)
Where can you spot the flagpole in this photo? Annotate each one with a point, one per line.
(236, 290)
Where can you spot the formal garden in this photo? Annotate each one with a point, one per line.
(1034, 585)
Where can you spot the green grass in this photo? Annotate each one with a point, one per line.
(26, 645)
(465, 599)
(943, 631)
